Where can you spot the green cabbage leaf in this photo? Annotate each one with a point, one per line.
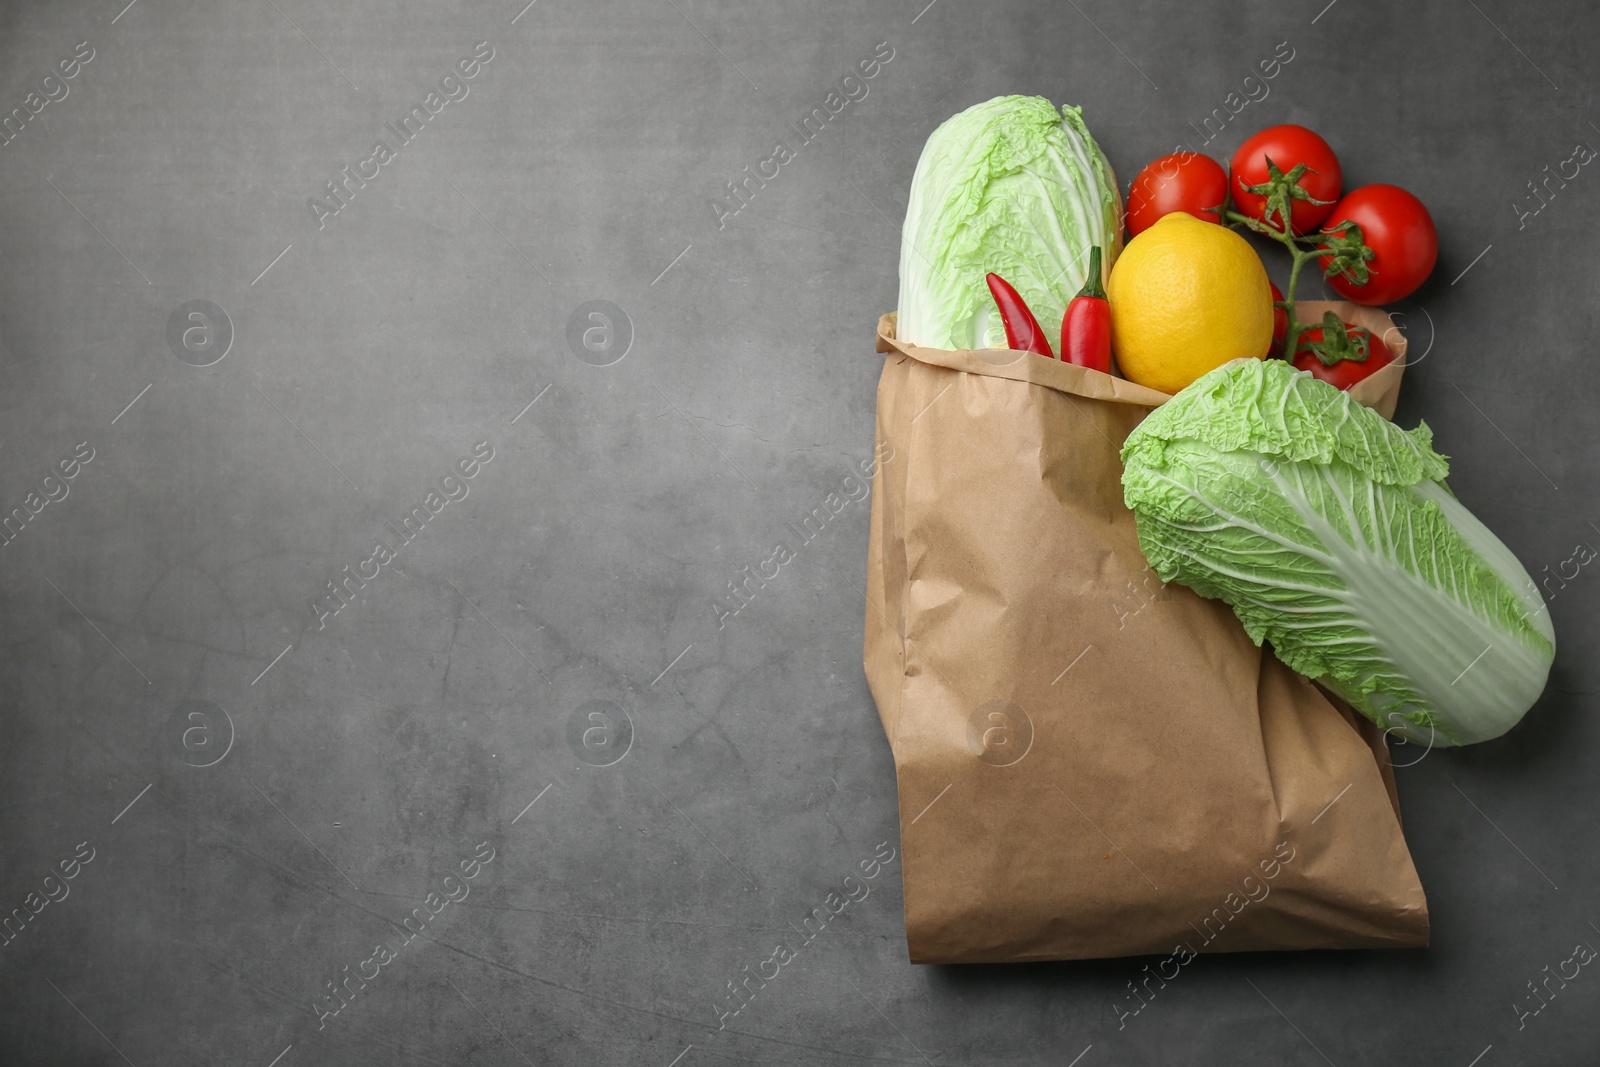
(1331, 534)
(1011, 186)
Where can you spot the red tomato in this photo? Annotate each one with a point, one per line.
(1182, 181)
(1287, 146)
(1400, 232)
(1280, 323)
(1346, 372)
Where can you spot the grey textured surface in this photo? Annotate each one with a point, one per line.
(353, 766)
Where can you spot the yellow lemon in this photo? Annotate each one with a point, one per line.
(1186, 297)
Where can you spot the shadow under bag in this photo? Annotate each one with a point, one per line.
(1091, 763)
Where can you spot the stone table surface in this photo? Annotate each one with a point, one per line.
(258, 346)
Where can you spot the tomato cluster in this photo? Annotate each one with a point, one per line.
(1377, 243)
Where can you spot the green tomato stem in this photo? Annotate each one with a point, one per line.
(1291, 336)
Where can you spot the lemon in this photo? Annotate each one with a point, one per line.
(1186, 297)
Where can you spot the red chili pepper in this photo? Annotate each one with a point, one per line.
(1086, 327)
(1022, 329)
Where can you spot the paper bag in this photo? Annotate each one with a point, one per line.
(1091, 763)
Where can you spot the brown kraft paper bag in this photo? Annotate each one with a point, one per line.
(1089, 763)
